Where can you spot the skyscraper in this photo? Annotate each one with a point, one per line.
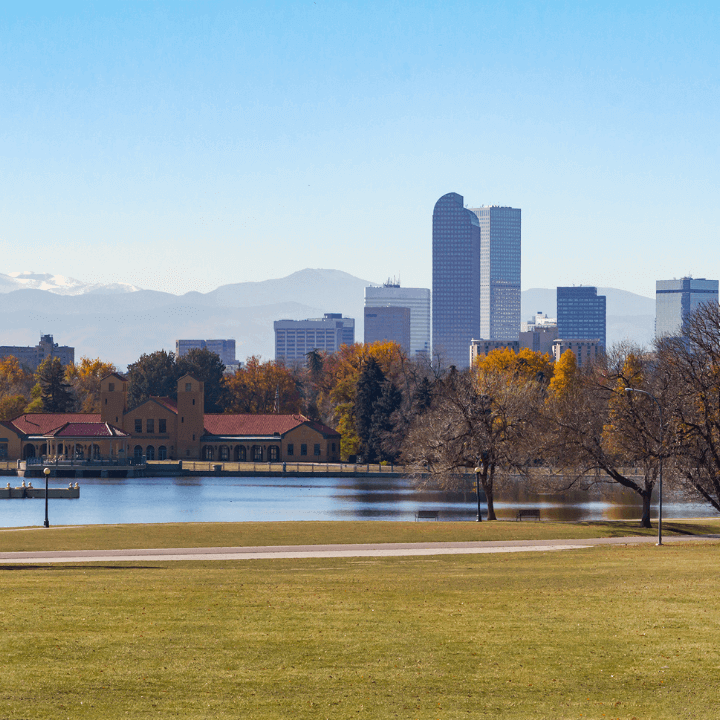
(580, 314)
(388, 323)
(499, 272)
(676, 299)
(416, 299)
(295, 338)
(456, 280)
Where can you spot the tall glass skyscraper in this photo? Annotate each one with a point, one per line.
(676, 299)
(499, 272)
(581, 314)
(456, 280)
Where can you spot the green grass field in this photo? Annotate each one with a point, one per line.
(608, 632)
(171, 535)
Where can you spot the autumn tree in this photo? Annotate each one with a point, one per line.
(262, 387)
(55, 392)
(16, 383)
(84, 377)
(11, 406)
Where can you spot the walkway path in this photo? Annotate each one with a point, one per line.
(328, 551)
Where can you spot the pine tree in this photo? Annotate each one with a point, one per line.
(55, 392)
(369, 389)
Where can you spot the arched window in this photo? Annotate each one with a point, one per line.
(28, 451)
(150, 452)
(207, 452)
(223, 452)
(257, 452)
(137, 452)
(162, 453)
(273, 453)
(240, 453)
(96, 451)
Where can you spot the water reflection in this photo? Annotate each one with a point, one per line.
(215, 499)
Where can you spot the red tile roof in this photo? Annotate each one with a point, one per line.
(43, 423)
(88, 430)
(167, 402)
(259, 424)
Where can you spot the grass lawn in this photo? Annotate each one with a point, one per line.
(174, 535)
(608, 632)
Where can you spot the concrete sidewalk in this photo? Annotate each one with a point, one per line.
(330, 551)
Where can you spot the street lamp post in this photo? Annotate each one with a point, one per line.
(477, 490)
(46, 472)
(660, 485)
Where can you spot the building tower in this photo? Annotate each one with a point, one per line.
(456, 280)
(676, 299)
(391, 295)
(499, 272)
(581, 314)
(295, 338)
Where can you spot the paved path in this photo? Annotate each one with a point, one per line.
(328, 551)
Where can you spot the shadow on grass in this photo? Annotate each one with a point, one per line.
(84, 566)
(622, 529)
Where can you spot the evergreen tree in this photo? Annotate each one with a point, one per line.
(152, 375)
(55, 393)
(369, 390)
(380, 446)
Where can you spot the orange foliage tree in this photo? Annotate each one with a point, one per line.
(85, 378)
(262, 387)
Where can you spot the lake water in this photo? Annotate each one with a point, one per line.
(235, 499)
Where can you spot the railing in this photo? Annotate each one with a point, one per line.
(85, 462)
(292, 468)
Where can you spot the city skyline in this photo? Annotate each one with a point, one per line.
(186, 140)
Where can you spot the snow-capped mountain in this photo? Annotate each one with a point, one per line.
(58, 284)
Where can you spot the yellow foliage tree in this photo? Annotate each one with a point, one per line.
(523, 365)
(11, 406)
(565, 377)
(85, 378)
(262, 387)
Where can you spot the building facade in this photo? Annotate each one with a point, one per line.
(676, 299)
(417, 300)
(479, 348)
(456, 280)
(500, 246)
(295, 338)
(166, 428)
(388, 323)
(585, 351)
(581, 314)
(224, 349)
(32, 357)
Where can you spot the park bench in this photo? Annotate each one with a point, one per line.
(528, 513)
(427, 515)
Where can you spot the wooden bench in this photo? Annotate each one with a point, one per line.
(528, 513)
(427, 515)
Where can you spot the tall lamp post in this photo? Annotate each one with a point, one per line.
(46, 472)
(477, 491)
(660, 488)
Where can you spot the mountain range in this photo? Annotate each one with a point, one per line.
(119, 322)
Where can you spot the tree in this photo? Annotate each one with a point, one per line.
(11, 406)
(55, 391)
(595, 430)
(262, 387)
(692, 365)
(85, 378)
(367, 392)
(206, 366)
(153, 375)
(478, 419)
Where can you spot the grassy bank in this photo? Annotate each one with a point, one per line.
(107, 537)
(617, 632)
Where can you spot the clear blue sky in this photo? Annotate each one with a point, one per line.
(182, 146)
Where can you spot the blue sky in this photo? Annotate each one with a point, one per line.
(182, 146)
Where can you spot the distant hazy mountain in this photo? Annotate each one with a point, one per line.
(58, 284)
(119, 322)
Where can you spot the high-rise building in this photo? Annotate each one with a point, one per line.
(456, 280)
(295, 338)
(499, 271)
(418, 302)
(676, 299)
(224, 349)
(581, 314)
(388, 323)
(32, 357)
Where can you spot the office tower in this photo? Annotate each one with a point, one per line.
(32, 357)
(676, 299)
(295, 338)
(388, 323)
(499, 272)
(456, 280)
(224, 349)
(580, 314)
(418, 302)
(539, 334)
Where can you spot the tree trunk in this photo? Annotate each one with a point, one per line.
(490, 504)
(645, 519)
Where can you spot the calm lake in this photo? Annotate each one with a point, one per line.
(228, 499)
